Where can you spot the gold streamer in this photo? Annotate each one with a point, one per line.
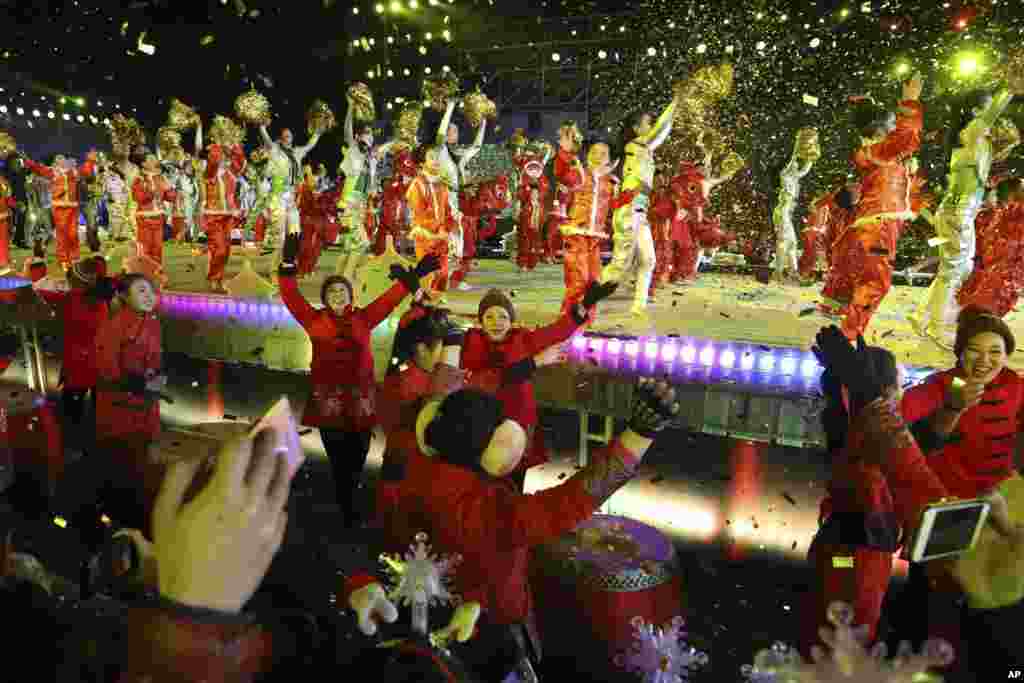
(253, 108)
(320, 118)
(478, 107)
(362, 102)
(807, 145)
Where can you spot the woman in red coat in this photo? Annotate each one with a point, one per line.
(82, 310)
(461, 498)
(342, 402)
(497, 344)
(998, 276)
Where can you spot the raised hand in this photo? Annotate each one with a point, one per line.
(427, 265)
(654, 406)
(371, 605)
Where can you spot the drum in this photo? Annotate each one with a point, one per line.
(593, 581)
(30, 436)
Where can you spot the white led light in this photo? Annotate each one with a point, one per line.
(707, 356)
(788, 365)
(602, 54)
(767, 363)
(809, 367)
(614, 346)
(688, 354)
(651, 349)
(747, 362)
(596, 344)
(668, 352)
(579, 342)
(632, 348)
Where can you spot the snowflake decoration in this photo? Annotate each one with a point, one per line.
(660, 654)
(849, 659)
(421, 577)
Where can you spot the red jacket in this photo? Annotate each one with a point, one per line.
(342, 366)
(533, 197)
(569, 175)
(494, 528)
(979, 454)
(150, 191)
(82, 316)
(998, 276)
(127, 347)
(660, 216)
(221, 180)
(886, 182)
(63, 184)
(480, 353)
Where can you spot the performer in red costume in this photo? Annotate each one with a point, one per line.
(7, 202)
(479, 202)
(568, 172)
(688, 195)
(829, 216)
(496, 344)
(997, 280)
(432, 218)
(83, 310)
(342, 404)
(587, 226)
(533, 197)
(864, 253)
(221, 213)
(309, 220)
(393, 221)
(150, 191)
(64, 180)
(660, 215)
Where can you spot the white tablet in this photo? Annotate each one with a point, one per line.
(948, 529)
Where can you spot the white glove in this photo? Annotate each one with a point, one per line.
(371, 604)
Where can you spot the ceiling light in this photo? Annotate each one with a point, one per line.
(50, 115)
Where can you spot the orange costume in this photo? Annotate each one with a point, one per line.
(533, 196)
(312, 231)
(150, 191)
(863, 253)
(431, 219)
(569, 174)
(7, 202)
(826, 220)
(583, 233)
(221, 212)
(64, 191)
(660, 216)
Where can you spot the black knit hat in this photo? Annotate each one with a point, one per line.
(496, 297)
(973, 321)
(464, 425)
(427, 329)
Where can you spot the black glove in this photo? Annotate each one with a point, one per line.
(427, 265)
(406, 276)
(520, 372)
(598, 292)
(654, 406)
(858, 369)
(105, 289)
(291, 248)
(10, 345)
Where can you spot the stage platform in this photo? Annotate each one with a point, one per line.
(718, 307)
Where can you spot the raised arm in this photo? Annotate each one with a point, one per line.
(301, 152)
(442, 131)
(983, 122)
(293, 300)
(199, 138)
(38, 169)
(660, 130)
(265, 134)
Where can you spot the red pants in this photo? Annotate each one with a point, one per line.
(553, 244)
(582, 264)
(684, 261)
(260, 228)
(662, 263)
(862, 586)
(528, 244)
(438, 281)
(65, 225)
(331, 229)
(861, 274)
(469, 224)
(813, 244)
(5, 243)
(995, 288)
(218, 239)
(310, 245)
(177, 227)
(151, 237)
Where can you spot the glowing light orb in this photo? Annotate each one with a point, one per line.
(727, 359)
(707, 356)
(689, 354)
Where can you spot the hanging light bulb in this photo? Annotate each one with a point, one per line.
(369, 74)
(555, 57)
(652, 52)
(390, 73)
(702, 48)
(423, 49)
(601, 54)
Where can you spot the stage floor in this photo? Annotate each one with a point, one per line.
(723, 307)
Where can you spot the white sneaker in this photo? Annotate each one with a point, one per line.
(464, 287)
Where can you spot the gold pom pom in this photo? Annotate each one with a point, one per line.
(167, 139)
(226, 133)
(126, 132)
(732, 164)
(478, 107)
(182, 117)
(260, 155)
(807, 146)
(441, 90)
(362, 102)
(7, 144)
(1015, 72)
(1005, 138)
(320, 118)
(253, 108)
(408, 125)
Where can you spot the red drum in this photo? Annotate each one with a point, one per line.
(30, 433)
(592, 582)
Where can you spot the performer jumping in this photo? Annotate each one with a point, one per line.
(969, 167)
(633, 242)
(863, 254)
